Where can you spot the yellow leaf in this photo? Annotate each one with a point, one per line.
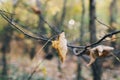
(61, 46)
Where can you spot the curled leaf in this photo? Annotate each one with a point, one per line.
(98, 51)
(61, 46)
(113, 38)
(102, 50)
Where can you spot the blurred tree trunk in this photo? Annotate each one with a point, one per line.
(6, 39)
(79, 77)
(112, 22)
(7, 36)
(4, 61)
(41, 26)
(96, 67)
(113, 12)
(60, 26)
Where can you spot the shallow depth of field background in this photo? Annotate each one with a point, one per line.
(19, 59)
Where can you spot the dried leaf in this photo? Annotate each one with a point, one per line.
(92, 57)
(113, 38)
(98, 51)
(36, 9)
(102, 50)
(61, 46)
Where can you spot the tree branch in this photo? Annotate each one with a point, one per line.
(99, 41)
(30, 34)
(34, 36)
(24, 31)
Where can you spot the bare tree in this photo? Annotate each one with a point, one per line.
(96, 67)
(79, 77)
(112, 21)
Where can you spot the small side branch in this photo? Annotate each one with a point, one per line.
(100, 40)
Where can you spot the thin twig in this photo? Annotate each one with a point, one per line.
(51, 27)
(45, 45)
(116, 57)
(97, 42)
(33, 72)
(29, 78)
(102, 23)
(7, 12)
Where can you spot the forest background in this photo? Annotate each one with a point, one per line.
(77, 19)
